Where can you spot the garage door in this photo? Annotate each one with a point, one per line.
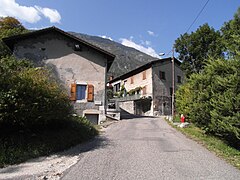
(93, 118)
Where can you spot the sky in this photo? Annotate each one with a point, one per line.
(151, 26)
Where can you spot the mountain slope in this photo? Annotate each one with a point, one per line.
(127, 58)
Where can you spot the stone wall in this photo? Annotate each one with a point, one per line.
(162, 97)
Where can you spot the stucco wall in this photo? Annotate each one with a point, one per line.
(138, 81)
(161, 88)
(126, 108)
(57, 52)
(138, 106)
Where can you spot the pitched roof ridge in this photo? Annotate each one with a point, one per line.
(7, 40)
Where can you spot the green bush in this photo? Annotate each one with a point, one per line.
(30, 97)
(211, 99)
(20, 146)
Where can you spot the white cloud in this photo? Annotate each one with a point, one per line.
(148, 50)
(51, 14)
(151, 33)
(106, 37)
(27, 13)
(11, 8)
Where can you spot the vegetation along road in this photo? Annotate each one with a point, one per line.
(147, 148)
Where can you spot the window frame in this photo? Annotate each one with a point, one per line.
(81, 84)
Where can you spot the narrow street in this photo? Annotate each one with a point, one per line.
(147, 148)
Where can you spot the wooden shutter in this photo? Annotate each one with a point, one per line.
(90, 92)
(132, 80)
(144, 90)
(73, 95)
(144, 74)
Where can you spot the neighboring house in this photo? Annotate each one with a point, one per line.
(79, 65)
(147, 90)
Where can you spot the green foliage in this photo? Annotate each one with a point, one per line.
(231, 35)
(211, 99)
(9, 26)
(133, 91)
(109, 93)
(195, 48)
(29, 97)
(122, 91)
(20, 146)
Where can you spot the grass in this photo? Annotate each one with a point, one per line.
(214, 144)
(20, 146)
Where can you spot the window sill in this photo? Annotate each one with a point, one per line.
(81, 101)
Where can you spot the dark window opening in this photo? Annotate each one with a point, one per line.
(179, 79)
(117, 87)
(162, 75)
(171, 91)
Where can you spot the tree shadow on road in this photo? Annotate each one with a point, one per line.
(96, 143)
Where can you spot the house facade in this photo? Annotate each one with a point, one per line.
(148, 89)
(79, 66)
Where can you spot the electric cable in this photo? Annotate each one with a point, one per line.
(198, 15)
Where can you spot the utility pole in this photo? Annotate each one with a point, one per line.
(173, 82)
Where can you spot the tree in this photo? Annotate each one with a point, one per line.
(195, 48)
(211, 99)
(231, 35)
(9, 26)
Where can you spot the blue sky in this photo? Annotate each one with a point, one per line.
(151, 26)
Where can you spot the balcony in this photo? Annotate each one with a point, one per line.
(128, 98)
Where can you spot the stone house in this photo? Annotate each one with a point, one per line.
(147, 90)
(80, 66)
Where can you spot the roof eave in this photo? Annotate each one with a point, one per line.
(9, 41)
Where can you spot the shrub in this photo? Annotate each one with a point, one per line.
(29, 97)
(211, 99)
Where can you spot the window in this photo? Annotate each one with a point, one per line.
(132, 80)
(179, 79)
(78, 92)
(144, 75)
(162, 75)
(81, 92)
(117, 87)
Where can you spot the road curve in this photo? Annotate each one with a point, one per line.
(147, 149)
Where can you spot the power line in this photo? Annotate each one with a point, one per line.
(200, 12)
(198, 15)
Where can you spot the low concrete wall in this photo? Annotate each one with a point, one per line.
(127, 107)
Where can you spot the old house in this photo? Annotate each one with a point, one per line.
(80, 66)
(148, 89)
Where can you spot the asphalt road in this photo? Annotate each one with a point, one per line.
(147, 148)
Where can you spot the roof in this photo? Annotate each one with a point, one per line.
(144, 67)
(10, 41)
